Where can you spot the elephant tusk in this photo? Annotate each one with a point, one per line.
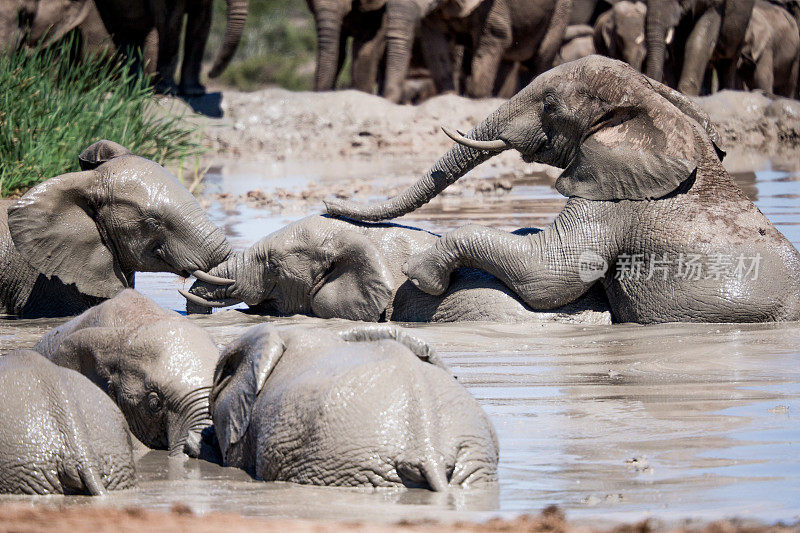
(214, 280)
(640, 39)
(199, 300)
(670, 35)
(493, 146)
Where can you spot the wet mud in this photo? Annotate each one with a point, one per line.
(617, 422)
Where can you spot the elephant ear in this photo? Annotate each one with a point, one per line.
(240, 374)
(53, 20)
(90, 351)
(357, 284)
(603, 35)
(99, 153)
(53, 229)
(417, 346)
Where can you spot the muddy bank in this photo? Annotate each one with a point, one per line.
(275, 124)
(23, 519)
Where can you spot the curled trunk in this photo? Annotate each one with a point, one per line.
(456, 162)
(192, 417)
(237, 14)
(402, 18)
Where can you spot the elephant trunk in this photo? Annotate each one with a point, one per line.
(248, 268)
(237, 14)
(192, 417)
(402, 18)
(656, 33)
(329, 31)
(458, 160)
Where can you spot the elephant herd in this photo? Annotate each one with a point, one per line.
(481, 48)
(654, 230)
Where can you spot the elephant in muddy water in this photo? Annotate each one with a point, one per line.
(333, 268)
(59, 434)
(371, 406)
(651, 212)
(701, 32)
(78, 238)
(155, 364)
(771, 53)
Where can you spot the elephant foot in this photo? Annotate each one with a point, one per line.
(191, 90)
(166, 87)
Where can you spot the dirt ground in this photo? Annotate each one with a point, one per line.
(28, 519)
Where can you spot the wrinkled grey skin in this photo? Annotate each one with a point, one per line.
(78, 238)
(704, 32)
(333, 268)
(372, 406)
(59, 434)
(39, 22)
(771, 52)
(155, 364)
(578, 42)
(643, 176)
(619, 33)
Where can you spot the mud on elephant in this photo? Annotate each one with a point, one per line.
(333, 268)
(372, 406)
(645, 182)
(78, 238)
(155, 364)
(59, 434)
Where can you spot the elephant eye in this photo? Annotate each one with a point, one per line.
(151, 223)
(154, 402)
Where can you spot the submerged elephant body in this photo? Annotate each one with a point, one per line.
(368, 407)
(155, 364)
(77, 239)
(652, 214)
(59, 434)
(333, 268)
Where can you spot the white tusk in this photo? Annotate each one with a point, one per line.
(640, 39)
(493, 146)
(206, 303)
(214, 280)
(670, 35)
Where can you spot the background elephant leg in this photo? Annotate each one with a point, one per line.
(491, 43)
(764, 75)
(543, 278)
(507, 82)
(198, 24)
(168, 17)
(367, 55)
(438, 57)
(699, 47)
(553, 37)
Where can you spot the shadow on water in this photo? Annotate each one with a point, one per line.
(624, 421)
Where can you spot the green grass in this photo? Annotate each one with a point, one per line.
(51, 108)
(278, 46)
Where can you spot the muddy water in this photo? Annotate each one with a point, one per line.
(618, 422)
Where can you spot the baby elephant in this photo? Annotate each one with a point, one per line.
(59, 434)
(372, 406)
(334, 268)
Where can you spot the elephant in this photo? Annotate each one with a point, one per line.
(59, 434)
(647, 196)
(771, 52)
(333, 268)
(129, 22)
(619, 33)
(336, 21)
(495, 33)
(370, 406)
(76, 239)
(156, 365)
(701, 31)
(578, 42)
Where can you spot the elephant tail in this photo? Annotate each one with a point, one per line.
(424, 472)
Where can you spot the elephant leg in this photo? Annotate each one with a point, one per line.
(367, 55)
(198, 24)
(699, 48)
(553, 37)
(492, 42)
(764, 76)
(543, 269)
(168, 22)
(507, 82)
(438, 57)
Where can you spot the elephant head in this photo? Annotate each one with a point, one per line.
(316, 266)
(402, 20)
(120, 215)
(156, 365)
(662, 18)
(237, 14)
(42, 22)
(619, 33)
(617, 135)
